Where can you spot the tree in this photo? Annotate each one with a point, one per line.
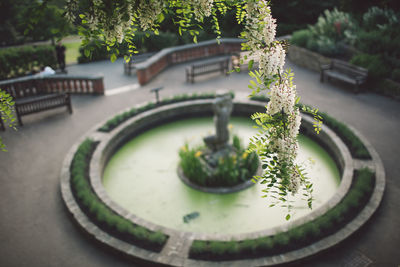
(113, 22)
(31, 20)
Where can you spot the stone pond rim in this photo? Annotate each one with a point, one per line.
(175, 251)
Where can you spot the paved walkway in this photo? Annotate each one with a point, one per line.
(35, 228)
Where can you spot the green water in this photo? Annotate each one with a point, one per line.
(141, 177)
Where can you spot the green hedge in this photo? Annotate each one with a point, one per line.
(100, 214)
(144, 44)
(357, 148)
(297, 237)
(120, 118)
(20, 61)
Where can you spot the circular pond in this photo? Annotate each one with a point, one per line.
(142, 178)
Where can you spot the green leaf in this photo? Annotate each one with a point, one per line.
(251, 64)
(287, 217)
(113, 57)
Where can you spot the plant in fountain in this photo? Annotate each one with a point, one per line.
(115, 21)
(219, 163)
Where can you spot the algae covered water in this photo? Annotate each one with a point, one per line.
(141, 177)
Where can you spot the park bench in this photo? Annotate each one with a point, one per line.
(34, 94)
(205, 67)
(345, 72)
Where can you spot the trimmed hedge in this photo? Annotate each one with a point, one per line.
(357, 148)
(297, 237)
(99, 213)
(120, 118)
(20, 61)
(143, 43)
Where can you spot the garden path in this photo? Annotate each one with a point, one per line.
(36, 230)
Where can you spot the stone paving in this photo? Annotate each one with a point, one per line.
(36, 229)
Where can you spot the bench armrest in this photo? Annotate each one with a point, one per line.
(323, 67)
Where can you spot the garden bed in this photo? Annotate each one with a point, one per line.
(297, 237)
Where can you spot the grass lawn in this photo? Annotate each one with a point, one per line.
(72, 53)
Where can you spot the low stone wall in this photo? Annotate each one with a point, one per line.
(306, 58)
(176, 251)
(150, 68)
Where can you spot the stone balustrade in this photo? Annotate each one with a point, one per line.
(148, 69)
(34, 85)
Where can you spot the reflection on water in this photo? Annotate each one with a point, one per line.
(141, 177)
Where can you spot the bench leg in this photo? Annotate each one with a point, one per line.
(19, 117)
(356, 88)
(68, 100)
(2, 127)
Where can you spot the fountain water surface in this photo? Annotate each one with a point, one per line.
(141, 177)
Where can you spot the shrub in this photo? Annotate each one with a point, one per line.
(377, 68)
(359, 193)
(198, 247)
(247, 246)
(355, 145)
(265, 243)
(396, 75)
(377, 18)
(374, 42)
(100, 213)
(157, 238)
(301, 37)
(20, 61)
(217, 247)
(143, 43)
(281, 239)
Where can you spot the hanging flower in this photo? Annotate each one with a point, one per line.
(202, 8)
(272, 60)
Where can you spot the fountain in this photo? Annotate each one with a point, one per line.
(131, 175)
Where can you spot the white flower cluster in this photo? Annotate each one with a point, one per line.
(148, 13)
(272, 60)
(260, 26)
(114, 25)
(202, 8)
(283, 97)
(260, 35)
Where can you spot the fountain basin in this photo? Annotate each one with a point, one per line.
(171, 254)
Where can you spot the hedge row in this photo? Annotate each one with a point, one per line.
(20, 61)
(99, 213)
(144, 44)
(120, 118)
(297, 237)
(357, 148)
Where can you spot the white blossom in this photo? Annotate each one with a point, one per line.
(272, 60)
(202, 8)
(283, 97)
(148, 13)
(260, 26)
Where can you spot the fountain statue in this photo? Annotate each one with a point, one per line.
(217, 145)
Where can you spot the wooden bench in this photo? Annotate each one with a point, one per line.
(344, 71)
(39, 103)
(205, 67)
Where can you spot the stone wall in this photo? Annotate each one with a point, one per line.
(150, 68)
(306, 58)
